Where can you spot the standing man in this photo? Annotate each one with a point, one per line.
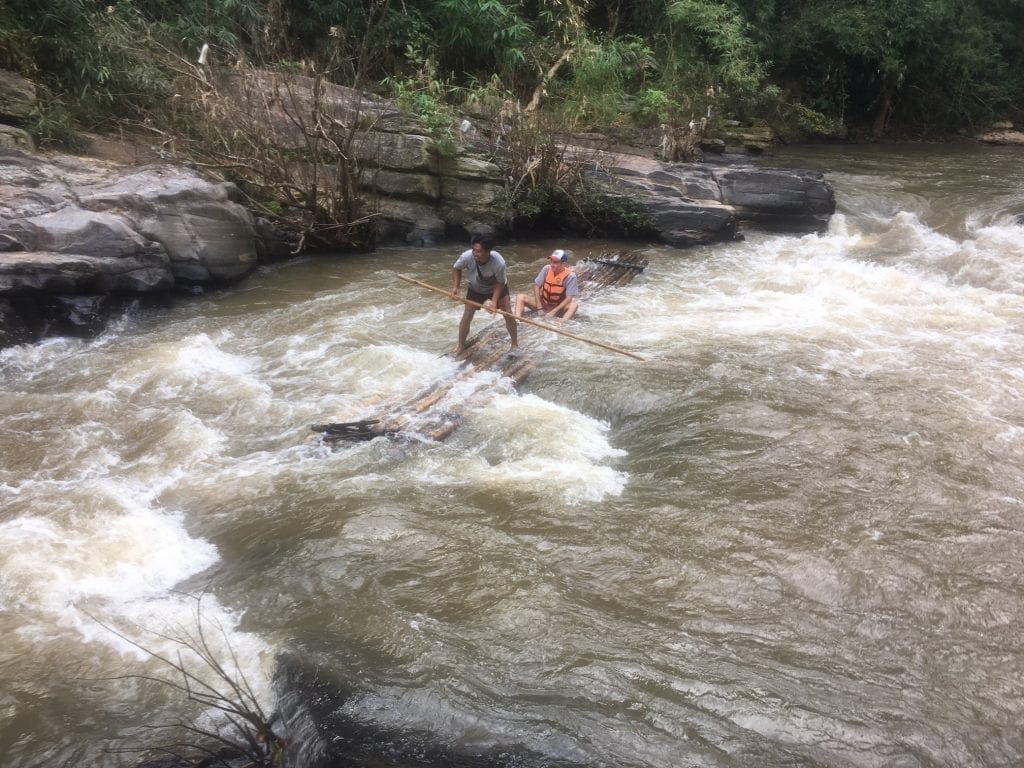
(555, 289)
(487, 280)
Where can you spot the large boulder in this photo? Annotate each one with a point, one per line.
(692, 203)
(73, 230)
(24, 273)
(91, 208)
(778, 198)
(17, 97)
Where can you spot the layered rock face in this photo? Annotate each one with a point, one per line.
(77, 227)
(421, 196)
(692, 204)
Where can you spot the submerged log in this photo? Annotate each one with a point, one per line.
(436, 410)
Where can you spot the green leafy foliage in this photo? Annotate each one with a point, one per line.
(809, 66)
(51, 123)
(933, 62)
(477, 37)
(714, 36)
(595, 93)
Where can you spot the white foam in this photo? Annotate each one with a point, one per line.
(193, 367)
(107, 560)
(518, 440)
(117, 550)
(834, 291)
(993, 259)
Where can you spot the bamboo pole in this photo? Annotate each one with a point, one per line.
(521, 319)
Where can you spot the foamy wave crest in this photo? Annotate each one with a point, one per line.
(388, 369)
(521, 440)
(106, 574)
(829, 296)
(993, 259)
(904, 233)
(118, 551)
(41, 356)
(194, 368)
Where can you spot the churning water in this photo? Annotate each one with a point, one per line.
(793, 537)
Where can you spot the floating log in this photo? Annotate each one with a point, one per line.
(435, 412)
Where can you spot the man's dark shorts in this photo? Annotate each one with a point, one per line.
(480, 298)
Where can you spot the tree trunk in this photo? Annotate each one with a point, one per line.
(542, 86)
(882, 116)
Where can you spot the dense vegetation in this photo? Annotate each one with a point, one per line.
(810, 66)
(535, 68)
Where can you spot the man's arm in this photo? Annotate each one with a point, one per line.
(495, 297)
(537, 283)
(456, 281)
(572, 286)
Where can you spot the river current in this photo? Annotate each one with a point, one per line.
(794, 536)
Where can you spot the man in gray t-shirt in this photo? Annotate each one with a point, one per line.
(487, 280)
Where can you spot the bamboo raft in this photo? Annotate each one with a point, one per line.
(436, 410)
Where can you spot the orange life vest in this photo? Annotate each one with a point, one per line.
(553, 290)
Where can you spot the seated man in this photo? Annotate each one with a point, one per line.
(554, 290)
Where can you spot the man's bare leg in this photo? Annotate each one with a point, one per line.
(520, 304)
(524, 302)
(510, 322)
(467, 318)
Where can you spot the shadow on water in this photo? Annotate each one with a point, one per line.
(324, 734)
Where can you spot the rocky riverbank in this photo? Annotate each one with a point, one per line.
(80, 236)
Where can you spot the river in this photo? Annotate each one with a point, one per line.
(794, 536)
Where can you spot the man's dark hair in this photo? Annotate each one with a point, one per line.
(486, 242)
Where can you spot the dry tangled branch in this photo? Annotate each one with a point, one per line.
(197, 672)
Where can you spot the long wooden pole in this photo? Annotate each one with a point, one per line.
(521, 319)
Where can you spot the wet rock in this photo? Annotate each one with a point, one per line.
(79, 227)
(16, 326)
(17, 96)
(1003, 137)
(28, 318)
(699, 203)
(779, 198)
(96, 209)
(24, 273)
(271, 243)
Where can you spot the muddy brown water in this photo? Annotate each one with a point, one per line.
(792, 537)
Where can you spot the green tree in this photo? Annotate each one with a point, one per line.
(910, 60)
(714, 37)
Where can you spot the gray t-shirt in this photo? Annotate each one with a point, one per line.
(572, 283)
(482, 277)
